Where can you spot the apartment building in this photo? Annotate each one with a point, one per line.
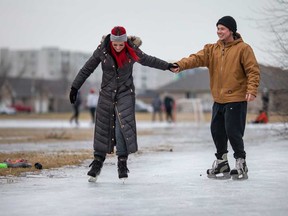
(39, 68)
(51, 63)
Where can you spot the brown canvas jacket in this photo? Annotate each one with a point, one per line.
(233, 69)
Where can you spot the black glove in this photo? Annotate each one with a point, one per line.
(170, 66)
(73, 95)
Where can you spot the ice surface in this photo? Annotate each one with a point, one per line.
(167, 177)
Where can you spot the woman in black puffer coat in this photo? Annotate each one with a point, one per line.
(115, 114)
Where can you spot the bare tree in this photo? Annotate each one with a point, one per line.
(275, 23)
(5, 68)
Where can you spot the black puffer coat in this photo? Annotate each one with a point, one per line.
(117, 95)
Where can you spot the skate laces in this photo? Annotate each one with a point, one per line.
(239, 164)
(214, 166)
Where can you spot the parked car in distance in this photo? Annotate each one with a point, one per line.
(22, 108)
(7, 110)
(141, 106)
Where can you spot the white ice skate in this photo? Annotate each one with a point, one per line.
(220, 169)
(240, 171)
(123, 180)
(92, 179)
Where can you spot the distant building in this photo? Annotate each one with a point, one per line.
(196, 85)
(51, 63)
(42, 78)
(41, 95)
(47, 63)
(147, 78)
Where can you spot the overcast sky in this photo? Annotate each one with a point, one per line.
(169, 29)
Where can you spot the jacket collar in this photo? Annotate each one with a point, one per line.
(236, 41)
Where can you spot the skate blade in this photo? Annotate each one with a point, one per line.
(220, 176)
(92, 179)
(240, 177)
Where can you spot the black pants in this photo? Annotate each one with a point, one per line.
(75, 115)
(169, 116)
(92, 113)
(228, 123)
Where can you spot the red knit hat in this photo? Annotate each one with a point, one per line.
(118, 33)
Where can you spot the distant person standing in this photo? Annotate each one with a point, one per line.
(157, 108)
(265, 100)
(262, 118)
(92, 100)
(169, 104)
(76, 109)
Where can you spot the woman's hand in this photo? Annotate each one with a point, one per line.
(173, 67)
(73, 95)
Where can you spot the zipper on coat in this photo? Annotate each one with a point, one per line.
(117, 113)
(221, 70)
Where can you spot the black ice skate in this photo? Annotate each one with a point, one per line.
(240, 171)
(95, 170)
(122, 168)
(220, 169)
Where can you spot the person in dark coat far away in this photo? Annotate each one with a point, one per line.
(115, 114)
(157, 108)
(169, 105)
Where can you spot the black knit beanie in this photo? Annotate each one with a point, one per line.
(229, 22)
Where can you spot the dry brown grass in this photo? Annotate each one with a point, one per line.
(48, 160)
(36, 135)
(44, 135)
(139, 116)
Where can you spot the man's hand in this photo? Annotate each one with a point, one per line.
(250, 97)
(173, 67)
(73, 95)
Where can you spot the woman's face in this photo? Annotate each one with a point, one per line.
(118, 46)
(224, 33)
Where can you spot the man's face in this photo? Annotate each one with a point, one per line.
(224, 33)
(118, 46)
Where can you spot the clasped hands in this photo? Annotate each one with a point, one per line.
(173, 68)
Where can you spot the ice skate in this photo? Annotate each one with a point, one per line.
(95, 170)
(240, 171)
(122, 169)
(220, 169)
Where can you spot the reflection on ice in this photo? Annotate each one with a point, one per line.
(161, 182)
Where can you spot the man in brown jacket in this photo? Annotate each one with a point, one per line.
(234, 79)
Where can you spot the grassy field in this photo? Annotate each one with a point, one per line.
(39, 135)
(84, 116)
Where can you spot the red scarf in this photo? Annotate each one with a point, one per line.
(121, 57)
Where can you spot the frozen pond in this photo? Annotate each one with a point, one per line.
(167, 177)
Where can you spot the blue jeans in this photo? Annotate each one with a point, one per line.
(121, 149)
